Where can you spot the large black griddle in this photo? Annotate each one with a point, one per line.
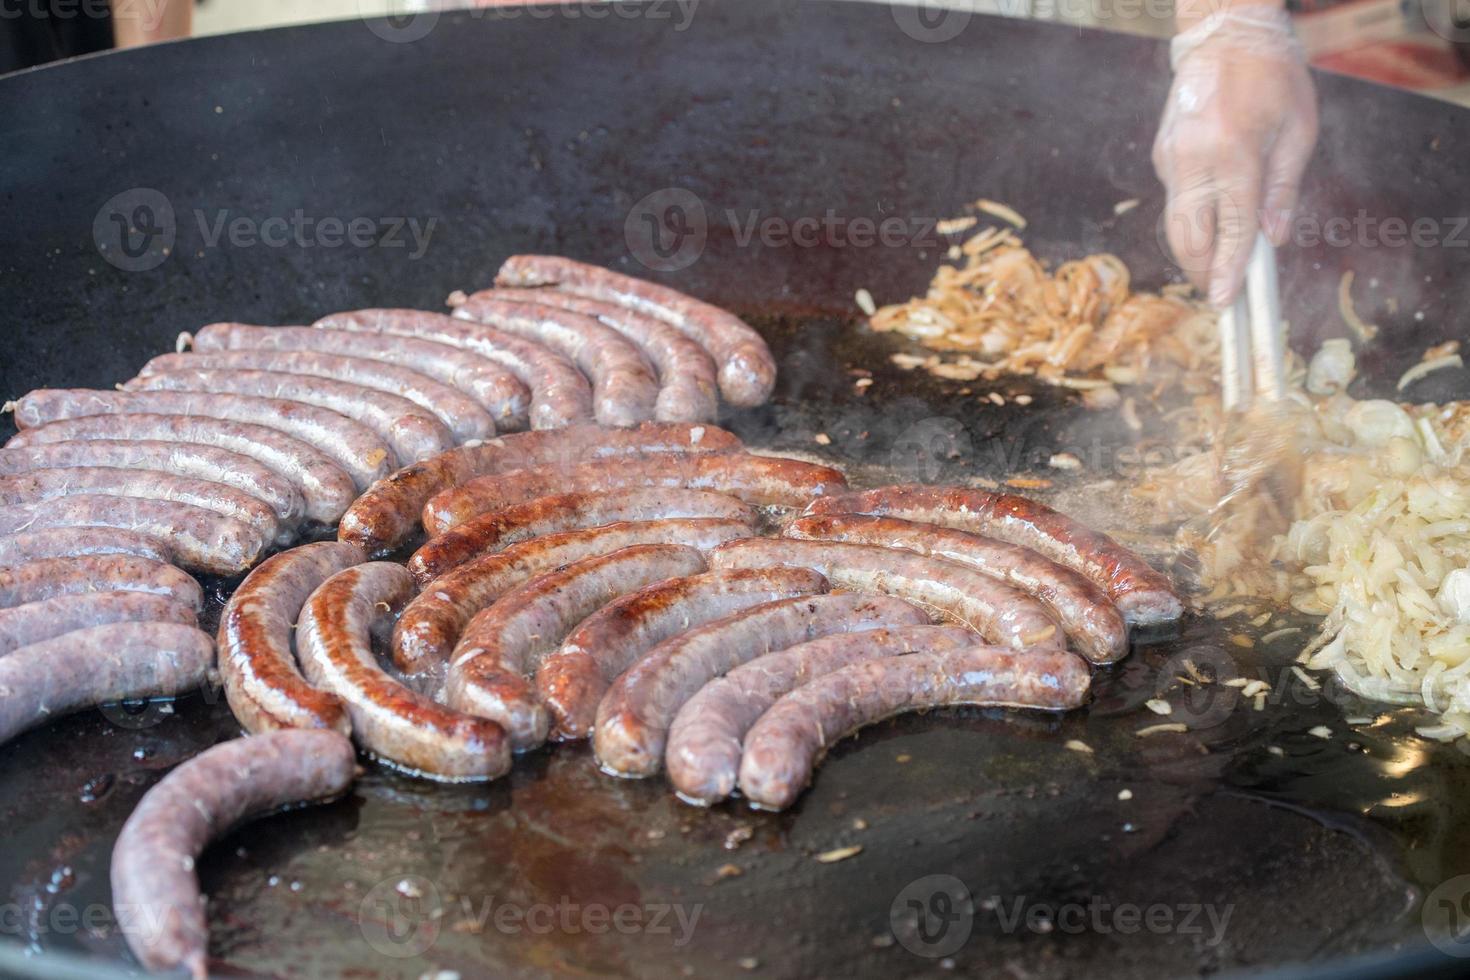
(542, 134)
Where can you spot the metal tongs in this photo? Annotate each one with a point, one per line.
(1252, 343)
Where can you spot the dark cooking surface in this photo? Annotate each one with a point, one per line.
(541, 135)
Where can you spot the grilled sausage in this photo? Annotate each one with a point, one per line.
(76, 542)
(411, 432)
(487, 674)
(1143, 595)
(431, 624)
(634, 716)
(39, 485)
(499, 529)
(1090, 619)
(48, 618)
(387, 514)
(494, 388)
(573, 678)
(182, 459)
(461, 414)
(1002, 615)
(747, 369)
(326, 488)
(47, 578)
(560, 395)
(155, 892)
(353, 446)
(783, 747)
(688, 377)
(764, 481)
(262, 684)
(99, 665)
(201, 539)
(624, 389)
(706, 739)
(334, 640)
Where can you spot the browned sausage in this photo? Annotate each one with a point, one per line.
(634, 717)
(47, 578)
(764, 481)
(574, 677)
(185, 459)
(77, 542)
(1090, 619)
(783, 747)
(624, 389)
(394, 723)
(1002, 615)
(410, 431)
(747, 368)
(706, 739)
(688, 377)
(262, 684)
(155, 892)
(431, 624)
(487, 675)
(385, 516)
(326, 488)
(499, 529)
(560, 395)
(353, 446)
(1143, 595)
(201, 539)
(98, 665)
(48, 618)
(494, 388)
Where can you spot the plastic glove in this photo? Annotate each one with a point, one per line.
(1238, 129)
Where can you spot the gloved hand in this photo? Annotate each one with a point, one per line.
(1238, 129)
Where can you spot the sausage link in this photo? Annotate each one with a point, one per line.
(560, 395)
(499, 529)
(573, 678)
(334, 640)
(99, 665)
(111, 481)
(201, 539)
(783, 747)
(326, 488)
(1090, 619)
(1002, 615)
(385, 516)
(747, 368)
(688, 377)
(764, 481)
(487, 674)
(353, 446)
(459, 413)
(411, 432)
(47, 578)
(155, 892)
(77, 542)
(624, 390)
(190, 460)
(45, 619)
(262, 684)
(431, 624)
(634, 716)
(1143, 595)
(707, 736)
